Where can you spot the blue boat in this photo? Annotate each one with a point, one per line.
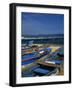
(43, 70)
(39, 71)
(59, 53)
(29, 58)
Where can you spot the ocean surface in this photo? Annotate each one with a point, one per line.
(44, 41)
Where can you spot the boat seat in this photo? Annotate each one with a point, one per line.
(41, 71)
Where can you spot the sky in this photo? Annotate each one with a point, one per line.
(40, 23)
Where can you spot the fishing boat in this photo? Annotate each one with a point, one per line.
(29, 58)
(38, 70)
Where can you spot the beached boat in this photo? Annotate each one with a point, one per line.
(58, 54)
(29, 58)
(38, 70)
(41, 71)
